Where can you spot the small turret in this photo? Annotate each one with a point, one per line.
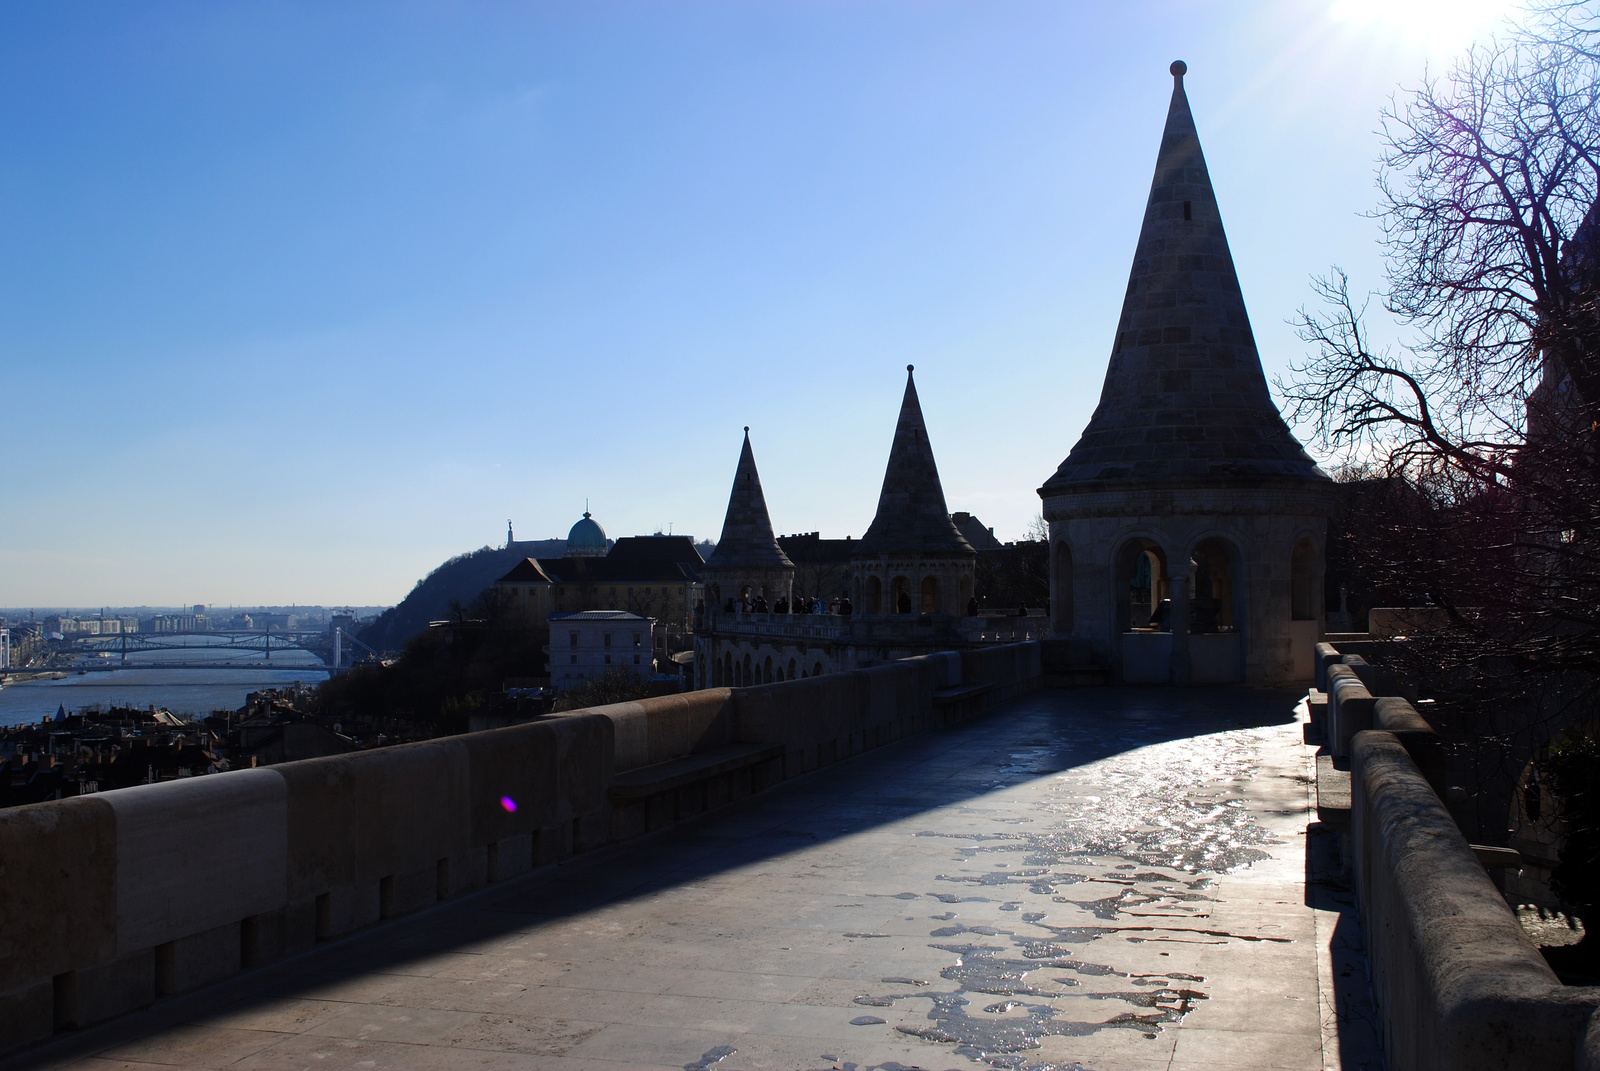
(748, 563)
(913, 558)
(911, 510)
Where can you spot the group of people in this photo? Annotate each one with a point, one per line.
(801, 605)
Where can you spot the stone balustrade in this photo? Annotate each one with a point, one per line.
(1458, 984)
(111, 901)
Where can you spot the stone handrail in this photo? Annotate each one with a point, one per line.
(808, 626)
(1458, 984)
(110, 901)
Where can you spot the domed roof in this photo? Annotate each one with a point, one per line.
(586, 535)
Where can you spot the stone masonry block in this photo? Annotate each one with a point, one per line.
(27, 1014)
(198, 960)
(280, 934)
(1350, 708)
(356, 819)
(197, 853)
(110, 989)
(58, 874)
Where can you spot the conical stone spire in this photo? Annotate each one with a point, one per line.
(1185, 401)
(747, 541)
(912, 518)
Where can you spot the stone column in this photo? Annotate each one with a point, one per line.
(1178, 619)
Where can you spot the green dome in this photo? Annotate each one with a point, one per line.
(586, 535)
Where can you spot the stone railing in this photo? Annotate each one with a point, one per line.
(1003, 629)
(110, 901)
(1458, 984)
(820, 627)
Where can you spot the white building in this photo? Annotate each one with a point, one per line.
(587, 645)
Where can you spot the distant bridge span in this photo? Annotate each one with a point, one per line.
(329, 648)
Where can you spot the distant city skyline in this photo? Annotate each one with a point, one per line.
(299, 301)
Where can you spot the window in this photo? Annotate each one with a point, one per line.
(574, 659)
(636, 660)
(636, 639)
(608, 660)
(608, 639)
(573, 637)
(647, 590)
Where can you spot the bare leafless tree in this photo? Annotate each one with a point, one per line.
(1486, 177)
(1477, 438)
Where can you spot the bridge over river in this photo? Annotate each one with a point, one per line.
(1083, 879)
(220, 649)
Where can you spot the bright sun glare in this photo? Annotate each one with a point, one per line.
(1437, 25)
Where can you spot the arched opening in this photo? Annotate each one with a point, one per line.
(1061, 589)
(747, 677)
(766, 671)
(874, 595)
(1305, 582)
(900, 590)
(1217, 613)
(791, 669)
(1305, 607)
(816, 670)
(930, 595)
(738, 678)
(1142, 587)
(1211, 587)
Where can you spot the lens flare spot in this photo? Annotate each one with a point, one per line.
(509, 804)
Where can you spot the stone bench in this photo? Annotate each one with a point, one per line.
(948, 697)
(652, 797)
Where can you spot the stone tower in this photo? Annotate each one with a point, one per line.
(913, 555)
(1187, 524)
(748, 561)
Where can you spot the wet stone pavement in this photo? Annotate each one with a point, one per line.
(1093, 879)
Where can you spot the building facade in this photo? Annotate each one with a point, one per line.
(656, 577)
(589, 644)
(1187, 526)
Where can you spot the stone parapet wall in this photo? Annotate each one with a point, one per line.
(1458, 984)
(110, 901)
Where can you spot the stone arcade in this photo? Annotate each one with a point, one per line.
(909, 581)
(1187, 525)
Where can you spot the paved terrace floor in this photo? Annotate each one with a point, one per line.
(1097, 879)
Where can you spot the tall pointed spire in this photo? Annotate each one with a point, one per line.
(747, 541)
(911, 511)
(1184, 398)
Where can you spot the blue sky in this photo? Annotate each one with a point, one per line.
(297, 300)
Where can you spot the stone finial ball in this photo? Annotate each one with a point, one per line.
(1178, 68)
(911, 368)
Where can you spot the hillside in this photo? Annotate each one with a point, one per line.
(460, 578)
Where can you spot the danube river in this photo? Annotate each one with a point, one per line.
(182, 691)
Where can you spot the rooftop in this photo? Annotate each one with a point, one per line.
(1184, 400)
